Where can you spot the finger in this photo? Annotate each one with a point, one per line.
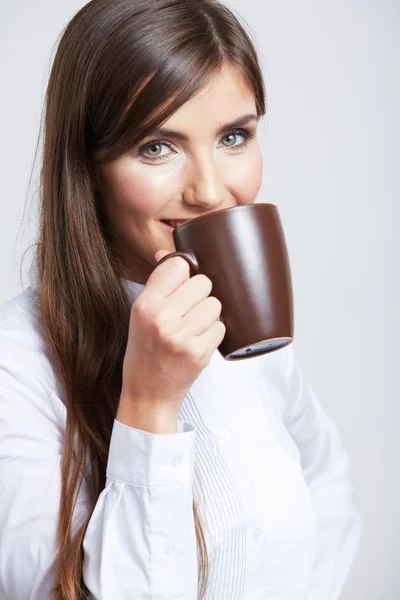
(188, 294)
(165, 278)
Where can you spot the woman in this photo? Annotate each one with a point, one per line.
(135, 462)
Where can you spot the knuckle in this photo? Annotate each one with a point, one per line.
(160, 325)
(176, 342)
(143, 306)
(171, 338)
(198, 355)
(139, 307)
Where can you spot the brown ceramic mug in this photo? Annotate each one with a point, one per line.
(243, 251)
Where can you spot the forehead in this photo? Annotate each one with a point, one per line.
(224, 98)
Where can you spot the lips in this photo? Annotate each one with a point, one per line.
(174, 222)
(167, 226)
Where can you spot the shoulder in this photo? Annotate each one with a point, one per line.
(16, 314)
(26, 368)
(20, 328)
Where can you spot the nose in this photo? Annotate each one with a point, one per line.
(205, 184)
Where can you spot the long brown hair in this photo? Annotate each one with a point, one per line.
(121, 69)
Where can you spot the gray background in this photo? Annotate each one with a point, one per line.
(331, 163)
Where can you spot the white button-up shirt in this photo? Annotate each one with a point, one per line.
(277, 507)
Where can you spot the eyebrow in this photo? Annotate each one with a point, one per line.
(240, 122)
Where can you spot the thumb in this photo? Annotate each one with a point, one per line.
(161, 253)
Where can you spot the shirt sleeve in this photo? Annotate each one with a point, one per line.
(140, 541)
(326, 470)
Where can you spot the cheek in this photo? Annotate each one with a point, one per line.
(246, 178)
(132, 187)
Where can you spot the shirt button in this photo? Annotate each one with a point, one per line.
(175, 460)
(224, 434)
(257, 533)
(169, 549)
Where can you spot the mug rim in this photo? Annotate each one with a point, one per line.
(232, 208)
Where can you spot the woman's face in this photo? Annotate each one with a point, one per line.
(168, 176)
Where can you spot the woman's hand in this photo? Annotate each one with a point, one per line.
(173, 332)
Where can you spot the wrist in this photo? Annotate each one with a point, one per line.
(145, 416)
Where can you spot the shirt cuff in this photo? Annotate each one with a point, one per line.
(147, 459)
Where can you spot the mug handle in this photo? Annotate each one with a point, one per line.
(188, 255)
